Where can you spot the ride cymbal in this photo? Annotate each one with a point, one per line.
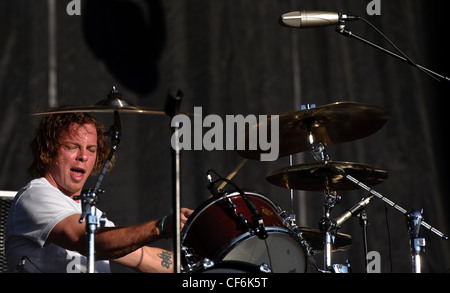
(316, 176)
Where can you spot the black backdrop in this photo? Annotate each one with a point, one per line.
(232, 57)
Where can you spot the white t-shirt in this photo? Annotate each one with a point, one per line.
(35, 211)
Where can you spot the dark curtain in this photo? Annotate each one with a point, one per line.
(232, 57)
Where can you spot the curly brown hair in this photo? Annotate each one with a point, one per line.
(44, 146)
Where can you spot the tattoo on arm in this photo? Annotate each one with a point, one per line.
(166, 259)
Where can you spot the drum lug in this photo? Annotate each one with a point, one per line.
(207, 263)
(240, 216)
(190, 258)
(264, 268)
(305, 244)
(231, 204)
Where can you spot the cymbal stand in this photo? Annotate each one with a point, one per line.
(328, 225)
(291, 217)
(383, 198)
(414, 219)
(89, 197)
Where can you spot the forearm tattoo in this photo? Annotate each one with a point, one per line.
(166, 259)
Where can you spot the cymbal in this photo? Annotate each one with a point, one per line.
(315, 239)
(103, 107)
(114, 102)
(314, 176)
(329, 124)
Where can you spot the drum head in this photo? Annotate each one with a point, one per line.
(281, 251)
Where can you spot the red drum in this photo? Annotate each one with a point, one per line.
(217, 231)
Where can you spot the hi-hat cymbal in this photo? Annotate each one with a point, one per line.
(329, 124)
(315, 239)
(316, 176)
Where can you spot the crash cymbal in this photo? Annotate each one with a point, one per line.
(315, 239)
(329, 124)
(314, 176)
(114, 102)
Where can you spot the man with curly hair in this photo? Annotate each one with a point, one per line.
(43, 229)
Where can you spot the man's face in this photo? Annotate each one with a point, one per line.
(75, 159)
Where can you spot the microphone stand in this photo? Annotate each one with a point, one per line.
(345, 32)
(364, 222)
(172, 109)
(89, 197)
(414, 220)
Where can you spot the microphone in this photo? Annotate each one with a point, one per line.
(353, 210)
(312, 18)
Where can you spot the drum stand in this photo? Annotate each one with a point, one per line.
(327, 225)
(414, 218)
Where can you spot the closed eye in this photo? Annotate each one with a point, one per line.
(92, 149)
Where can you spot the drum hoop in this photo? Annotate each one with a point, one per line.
(211, 201)
(251, 268)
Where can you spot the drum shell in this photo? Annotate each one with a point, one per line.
(218, 221)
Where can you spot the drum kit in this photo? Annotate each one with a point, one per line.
(241, 231)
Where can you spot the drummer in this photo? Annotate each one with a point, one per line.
(43, 229)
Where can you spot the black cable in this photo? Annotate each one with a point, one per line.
(257, 219)
(410, 61)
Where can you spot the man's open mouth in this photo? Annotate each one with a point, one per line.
(78, 170)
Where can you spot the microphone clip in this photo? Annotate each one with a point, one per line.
(211, 187)
(258, 227)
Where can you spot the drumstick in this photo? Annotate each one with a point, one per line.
(231, 175)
